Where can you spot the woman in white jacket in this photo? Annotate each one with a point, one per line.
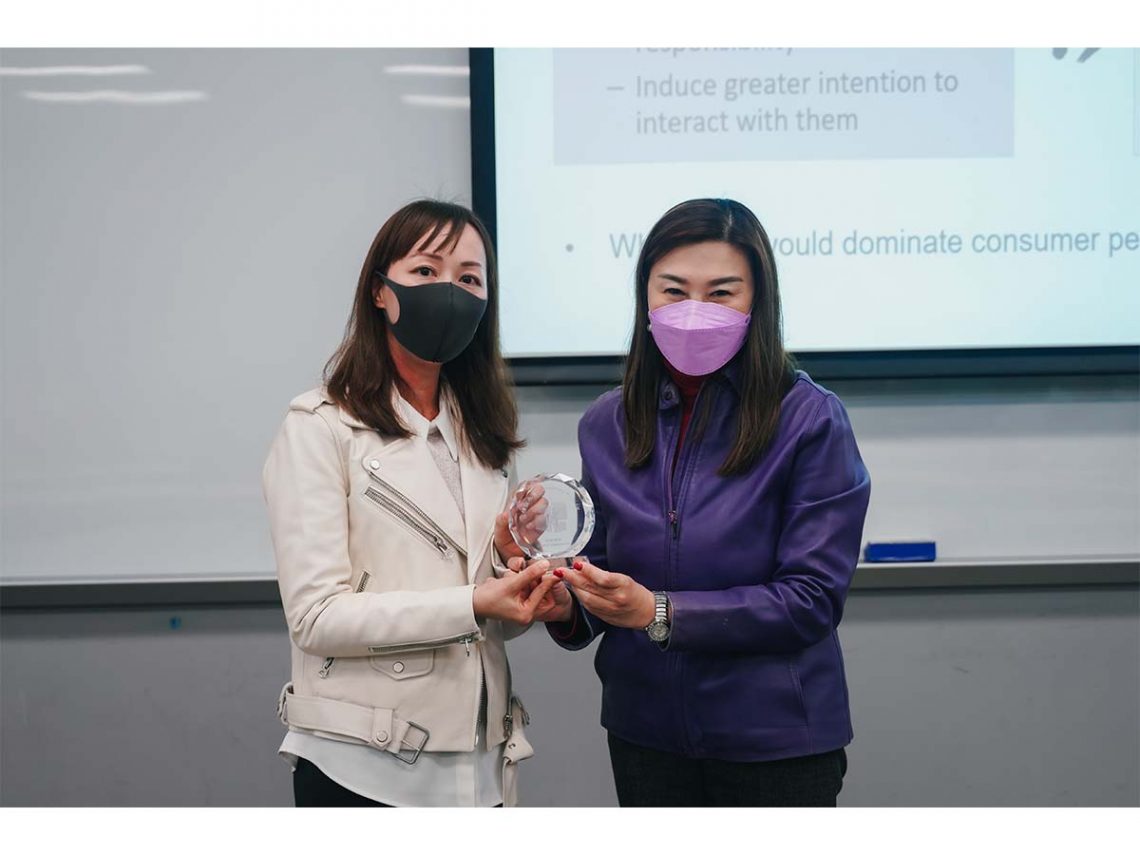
(386, 488)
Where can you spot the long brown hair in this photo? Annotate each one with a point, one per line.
(360, 374)
(766, 369)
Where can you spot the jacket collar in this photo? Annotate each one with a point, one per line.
(669, 395)
(412, 418)
(345, 416)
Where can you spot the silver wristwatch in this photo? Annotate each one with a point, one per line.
(658, 629)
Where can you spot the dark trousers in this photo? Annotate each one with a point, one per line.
(313, 788)
(649, 778)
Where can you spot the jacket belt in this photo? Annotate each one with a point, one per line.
(381, 729)
(375, 726)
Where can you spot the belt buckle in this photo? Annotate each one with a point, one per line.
(416, 749)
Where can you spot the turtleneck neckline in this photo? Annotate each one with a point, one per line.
(688, 384)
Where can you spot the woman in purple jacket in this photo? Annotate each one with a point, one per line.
(730, 500)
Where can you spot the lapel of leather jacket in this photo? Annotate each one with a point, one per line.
(484, 497)
(407, 465)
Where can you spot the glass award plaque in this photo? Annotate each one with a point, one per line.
(551, 516)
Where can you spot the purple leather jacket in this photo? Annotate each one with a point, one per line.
(757, 567)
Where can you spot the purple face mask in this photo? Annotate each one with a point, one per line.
(697, 337)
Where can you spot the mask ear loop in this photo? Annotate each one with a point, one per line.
(383, 281)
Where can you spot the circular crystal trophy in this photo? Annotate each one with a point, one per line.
(551, 516)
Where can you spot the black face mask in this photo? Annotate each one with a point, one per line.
(437, 320)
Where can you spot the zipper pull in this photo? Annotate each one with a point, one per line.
(467, 644)
(326, 667)
(525, 714)
(673, 522)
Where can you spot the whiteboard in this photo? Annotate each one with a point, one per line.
(175, 267)
(182, 235)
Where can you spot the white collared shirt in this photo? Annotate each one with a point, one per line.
(445, 454)
(420, 426)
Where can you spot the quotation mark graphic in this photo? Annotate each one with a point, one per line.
(1059, 53)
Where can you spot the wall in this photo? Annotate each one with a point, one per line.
(965, 698)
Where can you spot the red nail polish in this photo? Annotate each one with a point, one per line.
(558, 572)
(577, 565)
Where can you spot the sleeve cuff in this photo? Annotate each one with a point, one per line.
(573, 634)
(465, 611)
(498, 565)
(565, 630)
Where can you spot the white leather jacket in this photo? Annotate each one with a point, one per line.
(376, 569)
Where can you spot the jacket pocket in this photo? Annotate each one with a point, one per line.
(403, 666)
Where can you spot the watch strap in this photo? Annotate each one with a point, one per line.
(658, 628)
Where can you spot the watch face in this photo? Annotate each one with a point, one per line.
(658, 631)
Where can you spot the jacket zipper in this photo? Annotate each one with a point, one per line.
(404, 517)
(404, 509)
(670, 511)
(467, 639)
(509, 718)
(677, 464)
(360, 585)
(481, 703)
